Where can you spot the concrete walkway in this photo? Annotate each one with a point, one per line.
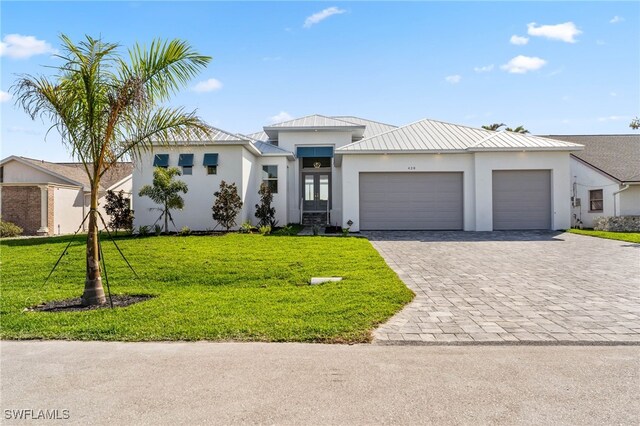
(513, 288)
(254, 383)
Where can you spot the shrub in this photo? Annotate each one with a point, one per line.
(264, 211)
(246, 227)
(227, 205)
(143, 230)
(118, 207)
(157, 229)
(265, 230)
(8, 229)
(345, 232)
(185, 231)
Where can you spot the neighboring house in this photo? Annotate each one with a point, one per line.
(47, 198)
(368, 175)
(605, 177)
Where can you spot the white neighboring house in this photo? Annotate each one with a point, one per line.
(47, 198)
(367, 175)
(605, 177)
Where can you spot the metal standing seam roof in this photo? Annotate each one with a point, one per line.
(313, 121)
(616, 155)
(217, 135)
(266, 148)
(372, 127)
(432, 135)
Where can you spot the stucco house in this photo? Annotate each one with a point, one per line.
(367, 175)
(47, 198)
(605, 177)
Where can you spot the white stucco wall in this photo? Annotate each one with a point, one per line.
(199, 200)
(16, 172)
(585, 178)
(477, 171)
(279, 199)
(630, 201)
(68, 210)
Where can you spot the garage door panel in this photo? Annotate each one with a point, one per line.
(411, 201)
(521, 199)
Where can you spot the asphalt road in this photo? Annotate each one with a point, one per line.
(232, 383)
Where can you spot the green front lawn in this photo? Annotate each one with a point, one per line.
(232, 287)
(632, 237)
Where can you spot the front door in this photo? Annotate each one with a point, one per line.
(315, 191)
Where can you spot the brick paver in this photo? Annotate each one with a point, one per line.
(512, 287)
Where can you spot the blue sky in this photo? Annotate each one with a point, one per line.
(572, 68)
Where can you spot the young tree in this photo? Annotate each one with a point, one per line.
(107, 108)
(635, 123)
(166, 192)
(227, 205)
(119, 208)
(264, 211)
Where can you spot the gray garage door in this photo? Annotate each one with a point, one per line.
(521, 199)
(410, 201)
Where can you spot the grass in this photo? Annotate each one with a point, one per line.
(631, 237)
(231, 287)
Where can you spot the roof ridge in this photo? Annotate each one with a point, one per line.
(311, 115)
(226, 132)
(341, 117)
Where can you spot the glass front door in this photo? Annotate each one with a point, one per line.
(316, 191)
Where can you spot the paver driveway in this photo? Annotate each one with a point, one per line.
(511, 287)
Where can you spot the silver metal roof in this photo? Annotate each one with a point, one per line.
(372, 127)
(437, 136)
(313, 121)
(266, 148)
(258, 136)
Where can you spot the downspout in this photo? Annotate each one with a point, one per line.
(625, 187)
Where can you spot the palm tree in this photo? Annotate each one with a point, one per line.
(635, 123)
(519, 129)
(494, 127)
(166, 192)
(107, 109)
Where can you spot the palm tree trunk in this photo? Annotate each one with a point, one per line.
(93, 291)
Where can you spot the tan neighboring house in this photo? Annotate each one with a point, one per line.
(47, 198)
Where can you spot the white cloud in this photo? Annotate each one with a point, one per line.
(613, 94)
(523, 64)
(280, 117)
(616, 19)
(518, 40)
(23, 130)
(19, 46)
(210, 85)
(4, 96)
(453, 79)
(564, 32)
(600, 42)
(322, 15)
(614, 118)
(486, 68)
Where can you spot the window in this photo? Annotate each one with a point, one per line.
(1, 173)
(270, 177)
(595, 200)
(210, 161)
(186, 162)
(161, 160)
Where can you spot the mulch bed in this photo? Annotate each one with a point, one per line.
(71, 305)
(333, 230)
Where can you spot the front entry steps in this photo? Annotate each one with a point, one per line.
(310, 219)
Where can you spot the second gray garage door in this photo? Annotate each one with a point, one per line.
(521, 199)
(410, 201)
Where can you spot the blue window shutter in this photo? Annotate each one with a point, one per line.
(161, 160)
(210, 160)
(314, 151)
(185, 160)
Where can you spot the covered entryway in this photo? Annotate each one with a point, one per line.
(411, 201)
(521, 199)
